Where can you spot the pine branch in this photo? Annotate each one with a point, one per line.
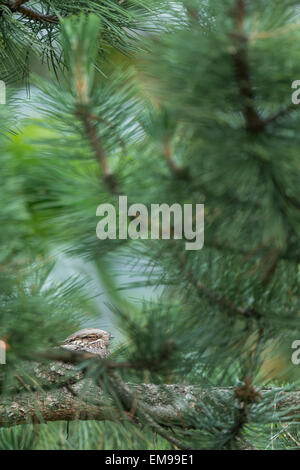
(17, 6)
(254, 123)
(131, 401)
(168, 404)
(175, 169)
(218, 299)
(226, 303)
(290, 199)
(158, 406)
(112, 127)
(280, 114)
(87, 120)
(36, 16)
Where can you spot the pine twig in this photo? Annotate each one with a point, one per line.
(111, 126)
(219, 299)
(175, 169)
(280, 114)
(17, 6)
(37, 16)
(87, 120)
(254, 123)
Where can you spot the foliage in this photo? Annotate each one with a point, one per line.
(196, 111)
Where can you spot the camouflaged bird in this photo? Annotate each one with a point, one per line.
(91, 340)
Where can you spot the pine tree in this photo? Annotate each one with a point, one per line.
(184, 102)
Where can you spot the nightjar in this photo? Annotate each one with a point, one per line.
(91, 340)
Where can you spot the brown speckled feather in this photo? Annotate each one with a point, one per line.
(91, 340)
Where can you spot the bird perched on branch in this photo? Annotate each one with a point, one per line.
(91, 340)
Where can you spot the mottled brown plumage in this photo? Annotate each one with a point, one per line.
(91, 340)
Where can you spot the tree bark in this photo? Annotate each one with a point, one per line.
(168, 403)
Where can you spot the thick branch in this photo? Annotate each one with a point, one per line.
(167, 404)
